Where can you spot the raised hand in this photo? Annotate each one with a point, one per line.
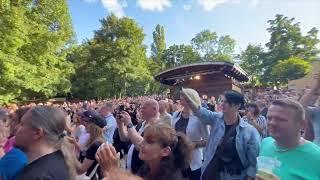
(107, 158)
(125, 118)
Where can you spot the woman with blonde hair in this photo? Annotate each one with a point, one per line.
(87, 163)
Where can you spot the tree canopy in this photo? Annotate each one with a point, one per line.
(287, 46)
(39, 58)
(113, 63)
(214, 48)
(35, 36)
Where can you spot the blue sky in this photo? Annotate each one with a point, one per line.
(244, 20)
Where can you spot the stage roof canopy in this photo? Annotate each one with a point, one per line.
(177, 74)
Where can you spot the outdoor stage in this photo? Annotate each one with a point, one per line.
(208, 78)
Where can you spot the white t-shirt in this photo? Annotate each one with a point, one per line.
(83, 136)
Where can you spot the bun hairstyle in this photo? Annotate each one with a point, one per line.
(180, 146)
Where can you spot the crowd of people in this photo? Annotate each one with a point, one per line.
(266, 135)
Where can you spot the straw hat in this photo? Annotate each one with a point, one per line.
(192, 95)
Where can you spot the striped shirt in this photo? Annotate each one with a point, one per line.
(262, 122)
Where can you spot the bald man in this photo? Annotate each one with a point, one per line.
(149, 114)
(165, 117)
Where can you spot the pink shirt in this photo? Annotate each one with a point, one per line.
(9, 144)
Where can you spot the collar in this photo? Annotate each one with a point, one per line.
(108, 115)
(242, 123)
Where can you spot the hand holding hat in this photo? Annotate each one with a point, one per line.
(192, 97)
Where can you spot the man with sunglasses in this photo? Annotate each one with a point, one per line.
(233, 144)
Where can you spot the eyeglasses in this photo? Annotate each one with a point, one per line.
(220, 101)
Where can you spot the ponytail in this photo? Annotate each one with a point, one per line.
(65, 148)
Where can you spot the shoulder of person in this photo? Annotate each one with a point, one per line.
(247, 127)
(313, 148)
(216, 114)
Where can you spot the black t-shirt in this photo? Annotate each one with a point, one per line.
(136, 162)
(211, 107)
(49, 167)
(170, 173)
(230, 158)
(90, 154)
(181, 125)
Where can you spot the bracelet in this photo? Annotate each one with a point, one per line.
(130, 125)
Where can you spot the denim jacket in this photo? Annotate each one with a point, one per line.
(247, 141)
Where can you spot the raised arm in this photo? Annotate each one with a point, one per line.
(123, 132)
(134, 136)
(309, 97)
(205, 116)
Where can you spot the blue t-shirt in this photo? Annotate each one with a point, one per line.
(12, 163)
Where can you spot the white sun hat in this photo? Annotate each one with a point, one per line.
(192, 95)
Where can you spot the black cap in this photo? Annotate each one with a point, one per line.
(95, 118)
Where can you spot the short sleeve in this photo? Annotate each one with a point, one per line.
(12, 163)
(91, 152)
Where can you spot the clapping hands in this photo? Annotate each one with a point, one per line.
(107, 158)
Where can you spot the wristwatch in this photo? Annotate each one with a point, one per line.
(130, 125)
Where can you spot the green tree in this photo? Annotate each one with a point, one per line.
(35, 36)
(286, 40)
(159, 43)
(290, 69)
(114, 62)
(213, 48)
(251, 61)
(177, 55)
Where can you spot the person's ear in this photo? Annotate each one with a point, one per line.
(165, 151)
(303, 124)
(38, 133)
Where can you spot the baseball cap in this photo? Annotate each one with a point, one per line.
(94, 118)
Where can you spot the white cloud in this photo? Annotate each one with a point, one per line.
(154, 5)
(115, 7)
(235, 2)
(254, 3)
(187, 7)
(208, 5)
